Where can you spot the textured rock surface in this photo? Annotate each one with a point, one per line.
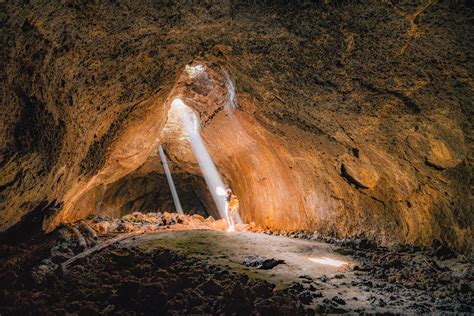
(383, 89)
(146, 189)
(208, 271)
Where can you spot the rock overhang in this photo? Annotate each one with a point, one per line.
(304, 79)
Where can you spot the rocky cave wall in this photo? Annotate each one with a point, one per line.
(146, 190)
(354, 118)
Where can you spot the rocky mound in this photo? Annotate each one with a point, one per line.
(133, 281)
(149, 222)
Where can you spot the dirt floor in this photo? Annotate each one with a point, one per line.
(188, 268)
(319, 285)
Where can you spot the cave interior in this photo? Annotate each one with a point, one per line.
(321, 156)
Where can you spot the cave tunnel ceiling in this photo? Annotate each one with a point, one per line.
(352, 119)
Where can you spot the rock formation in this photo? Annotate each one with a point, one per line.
(353, 118)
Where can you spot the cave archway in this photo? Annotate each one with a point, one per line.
(252, 160)
(146, 190)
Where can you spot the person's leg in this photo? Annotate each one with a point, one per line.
(227, 215)
(231, 217)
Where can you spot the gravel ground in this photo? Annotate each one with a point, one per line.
(180, 268)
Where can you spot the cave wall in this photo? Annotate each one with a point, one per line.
(364, 110)
(146, 189)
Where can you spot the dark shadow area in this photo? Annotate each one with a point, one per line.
(151, 193)
(30, 226)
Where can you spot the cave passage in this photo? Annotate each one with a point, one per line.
(182, 151)
(148, 191)
(236, 157)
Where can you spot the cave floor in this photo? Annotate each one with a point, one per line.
(338, 286)
(189, 270)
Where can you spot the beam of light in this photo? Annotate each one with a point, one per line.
(174, 193)
(229, 84)
(328, 261)
(209, 171)
(220, 191)
(231, 105)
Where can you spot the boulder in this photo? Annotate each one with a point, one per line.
(261, 263)
(437, 153)
(359, 172)
(102, 227)
(440, 156)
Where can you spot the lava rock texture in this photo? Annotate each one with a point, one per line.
(354, 118)
(160, 282)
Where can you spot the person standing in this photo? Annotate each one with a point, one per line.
(232, 208)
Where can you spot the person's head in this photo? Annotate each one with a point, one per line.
(228, 192)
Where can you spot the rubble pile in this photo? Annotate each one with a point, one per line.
(448, 283)
(446, 276)
(149, 222)
(73, 239)
(130, 280)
